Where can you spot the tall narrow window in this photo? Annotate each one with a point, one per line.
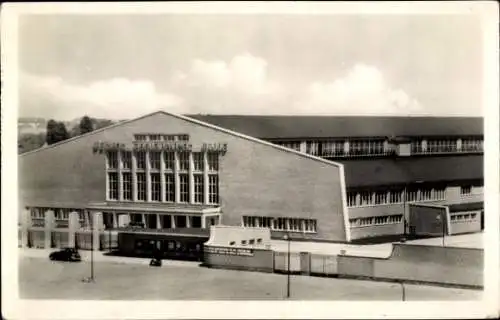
(113, 186)
(198, 188)
(141, 160)
(141, 137)
(465, 190)
(213, 161)
(332, 148)
(198, 161)
(380, 197)
(112, 157)
(183, 161)
(213, 188)
(155, 137)
(169, 187)
(312, 147)
(126, 159)
(396, 196)
(127, 186)
(184, 187)
(351, 198)
(169, 158)
(168, 137)
(155, 187)
(366, 198)
(141, 186)
(154, 160)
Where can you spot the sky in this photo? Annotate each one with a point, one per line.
(125, 66)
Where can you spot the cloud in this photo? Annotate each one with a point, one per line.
(244, 73)
(116, 98)
(363, 90)
(240, 85)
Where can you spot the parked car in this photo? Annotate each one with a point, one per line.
(66, 254)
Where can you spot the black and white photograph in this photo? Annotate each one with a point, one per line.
(254, 159)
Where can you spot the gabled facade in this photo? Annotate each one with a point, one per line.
(172, 172)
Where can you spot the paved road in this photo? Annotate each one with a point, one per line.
(44, 279)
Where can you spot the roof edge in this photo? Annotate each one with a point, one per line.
(186, 118)
(250, 138)
(88, 134)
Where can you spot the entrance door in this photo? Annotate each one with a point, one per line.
(151, 221)
(482, 219)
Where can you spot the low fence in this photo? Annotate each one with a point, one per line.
(410, 263)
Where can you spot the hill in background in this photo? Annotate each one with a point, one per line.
(32, 131)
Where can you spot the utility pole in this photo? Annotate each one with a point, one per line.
(92, 251)
(287, 238)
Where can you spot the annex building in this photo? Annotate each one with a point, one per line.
(315, 178)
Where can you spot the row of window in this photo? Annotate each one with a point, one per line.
(166, 187)
(59, 214)
(156, 158)
(447, 145)
(463, 217)
(280, 224)
(378, 197)
(374, 221)
(161, 137)
(357, 147)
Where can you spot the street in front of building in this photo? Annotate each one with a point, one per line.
(40, 278)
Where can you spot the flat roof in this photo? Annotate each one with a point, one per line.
(177, 232)
(287, 127)
(154, 207)
(402, 170)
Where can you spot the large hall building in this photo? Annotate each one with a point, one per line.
(338, 179)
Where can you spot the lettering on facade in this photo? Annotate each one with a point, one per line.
(102, 146)
(161, 146)
(229, 251)
(214, 147)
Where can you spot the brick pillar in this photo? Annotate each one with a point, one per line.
(115, 220)
(176, 178)
(148, 177)
(203, 221)
(120, 175)
(134, 177)
(205, 178)
(162, 177)
(98, 227)
(50, 222)
(158, 221)
(191, 178)
(25, 226)
(73, 226)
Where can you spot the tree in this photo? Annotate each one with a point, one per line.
(86, 125)
(56, 132)
(51, 132)
(30, 141)
(62, 132)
